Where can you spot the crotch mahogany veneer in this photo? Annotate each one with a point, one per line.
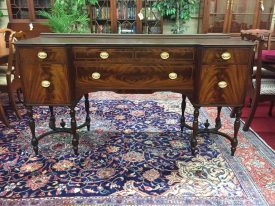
(58, 69)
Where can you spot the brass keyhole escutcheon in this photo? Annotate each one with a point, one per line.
(173, 75)
(104, 55)
(222, 84)
(42, 55)
(226, 56)
(95, 75)
(164, 55)
(45, 83)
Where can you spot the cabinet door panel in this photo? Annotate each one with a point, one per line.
(242, 15)
(47, 82)
(222, 84)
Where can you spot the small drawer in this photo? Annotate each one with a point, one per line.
(166, 54)
(226, 56)
(103, 54)
(53, 55)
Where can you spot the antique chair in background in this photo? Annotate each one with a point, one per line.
(262, 84)
(9, 76)
(5, 35)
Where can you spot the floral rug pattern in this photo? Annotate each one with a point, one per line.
(134, 154)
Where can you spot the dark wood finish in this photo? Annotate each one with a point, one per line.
(194, 68)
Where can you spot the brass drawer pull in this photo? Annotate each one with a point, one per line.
(95, 75)
(173, 75)
(222, 84)
(45, 83)
(226, 56)
(164, 55)
(104, 55)
(42, 55)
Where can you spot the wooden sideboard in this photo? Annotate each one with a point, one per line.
(58, 69)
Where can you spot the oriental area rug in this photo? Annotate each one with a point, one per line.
(134, 154)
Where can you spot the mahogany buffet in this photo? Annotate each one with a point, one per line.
(58, 69)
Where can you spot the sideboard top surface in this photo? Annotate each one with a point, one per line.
(134, 40)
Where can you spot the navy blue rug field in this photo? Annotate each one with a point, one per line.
(134, 154)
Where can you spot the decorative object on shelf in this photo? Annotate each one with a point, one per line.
(67, 16)
(180, 10)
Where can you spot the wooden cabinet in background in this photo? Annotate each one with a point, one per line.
(125, 17)
(23, 15)
(231, 16)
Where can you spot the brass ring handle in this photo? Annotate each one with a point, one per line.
(104, 55)
(42, 55)
(45, 83)
(173, 75)
(222, 84)
(95, 75)
(226, 56)
(164, 55)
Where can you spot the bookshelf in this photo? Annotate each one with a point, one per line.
(125, 17)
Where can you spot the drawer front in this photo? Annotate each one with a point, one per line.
(166, 54)
(49, 54)
(44, 82)
(222, 85)
(103, 54)
(129, 76)
(134, 54)
(226, 56)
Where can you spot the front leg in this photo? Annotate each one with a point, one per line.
(218, 119)
(87, 109)
(183, 106)
(195, 130)
(52, 119)
(75, 140)
(34, 140)
(234, 141)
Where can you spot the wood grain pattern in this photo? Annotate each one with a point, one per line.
(211, 94)
(33, 71)
(238, 56)
(133, 76)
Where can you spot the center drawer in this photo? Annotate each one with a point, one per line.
(130, 76)
(147, 54)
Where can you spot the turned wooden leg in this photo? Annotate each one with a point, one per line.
(73, 128)
(34, 140)
(195, 130)
(87, 108)
(234, 141)
(3, 116)
(233, 112)
(13, 104)
(218, 118)
(183, 106)
(52, 119)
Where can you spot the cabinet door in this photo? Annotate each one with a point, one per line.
(242, 15)
(125, 16)
(39, 5)
(223, 81)
(152, 20)
(215, 16)
(45, 81)
(100, 17)
(26, 10)
(19, 10)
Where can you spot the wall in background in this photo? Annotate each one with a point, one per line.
(5, 19)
